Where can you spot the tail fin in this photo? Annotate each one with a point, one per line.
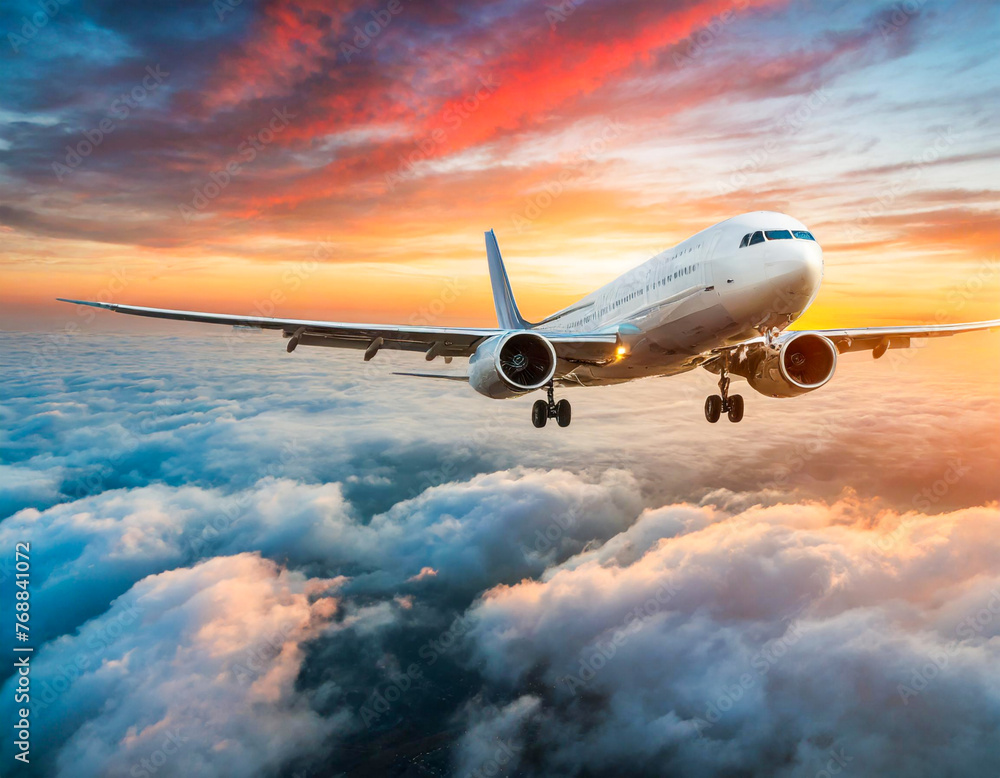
(508, 317)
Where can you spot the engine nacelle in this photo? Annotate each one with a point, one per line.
(802, 363)
(511, 364)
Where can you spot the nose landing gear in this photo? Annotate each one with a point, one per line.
(543, 410)
(717, 404)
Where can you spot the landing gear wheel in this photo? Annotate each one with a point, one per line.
(713, 408)
(546, 409)
(721, 403)
(540, 413)
(736, 408)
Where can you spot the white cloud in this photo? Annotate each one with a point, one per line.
(762, 639)
(141, 457)
(496, 527)
(191, 673)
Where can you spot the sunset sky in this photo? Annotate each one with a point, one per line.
(241, 555)
(589, 135)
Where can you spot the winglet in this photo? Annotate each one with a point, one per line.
(83, 302)
(508, 317)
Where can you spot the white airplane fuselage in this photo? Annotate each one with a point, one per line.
(706, 292)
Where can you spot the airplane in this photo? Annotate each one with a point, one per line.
(722, 300)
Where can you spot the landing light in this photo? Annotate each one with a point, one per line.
(622, 351)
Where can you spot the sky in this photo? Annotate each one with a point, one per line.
(276, 155)
(253, 563)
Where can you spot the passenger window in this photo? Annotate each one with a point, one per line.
(757, 237)
(778, 235)
(803, 235)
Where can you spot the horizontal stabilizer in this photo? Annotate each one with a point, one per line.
(443, 376)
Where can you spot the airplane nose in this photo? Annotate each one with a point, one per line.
(795, 272)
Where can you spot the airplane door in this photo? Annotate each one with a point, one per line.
(713, 244)
(703, 272)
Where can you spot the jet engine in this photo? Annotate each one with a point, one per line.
(512, 364)
(801, 363)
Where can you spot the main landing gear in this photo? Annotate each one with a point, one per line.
(543, 410)
(716, 405)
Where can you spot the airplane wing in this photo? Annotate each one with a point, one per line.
(433, 341)
(878, 339)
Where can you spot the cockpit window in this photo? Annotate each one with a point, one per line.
(752, 238)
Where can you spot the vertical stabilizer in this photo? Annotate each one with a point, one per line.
(508, 317)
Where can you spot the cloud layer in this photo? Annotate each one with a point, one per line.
(766, 641)
(252, 565)
(192, 673)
